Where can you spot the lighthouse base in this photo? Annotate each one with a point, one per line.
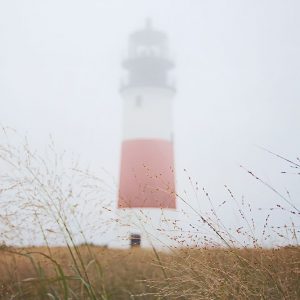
(155, 228)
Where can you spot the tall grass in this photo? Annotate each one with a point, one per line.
(47, 201)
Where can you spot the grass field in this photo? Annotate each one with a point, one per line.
(90, 272)
(44, 201)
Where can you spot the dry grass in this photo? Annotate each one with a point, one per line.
(113, 274)
(44, 201)
(137, 274)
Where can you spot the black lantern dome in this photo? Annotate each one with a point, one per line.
(148, 62)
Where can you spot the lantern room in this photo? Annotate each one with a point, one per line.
(148, 61)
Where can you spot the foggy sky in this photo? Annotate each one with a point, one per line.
(237, 73)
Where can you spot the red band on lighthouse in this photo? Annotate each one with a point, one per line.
(147, 174)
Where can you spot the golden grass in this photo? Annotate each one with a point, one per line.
(43, 200)
(138, 274)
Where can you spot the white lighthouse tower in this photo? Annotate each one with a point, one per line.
(147, 199)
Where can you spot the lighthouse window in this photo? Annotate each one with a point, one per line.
(138, 101)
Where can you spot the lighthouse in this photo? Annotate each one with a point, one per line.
(147, 198)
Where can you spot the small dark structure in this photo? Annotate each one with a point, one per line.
(135, 240)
